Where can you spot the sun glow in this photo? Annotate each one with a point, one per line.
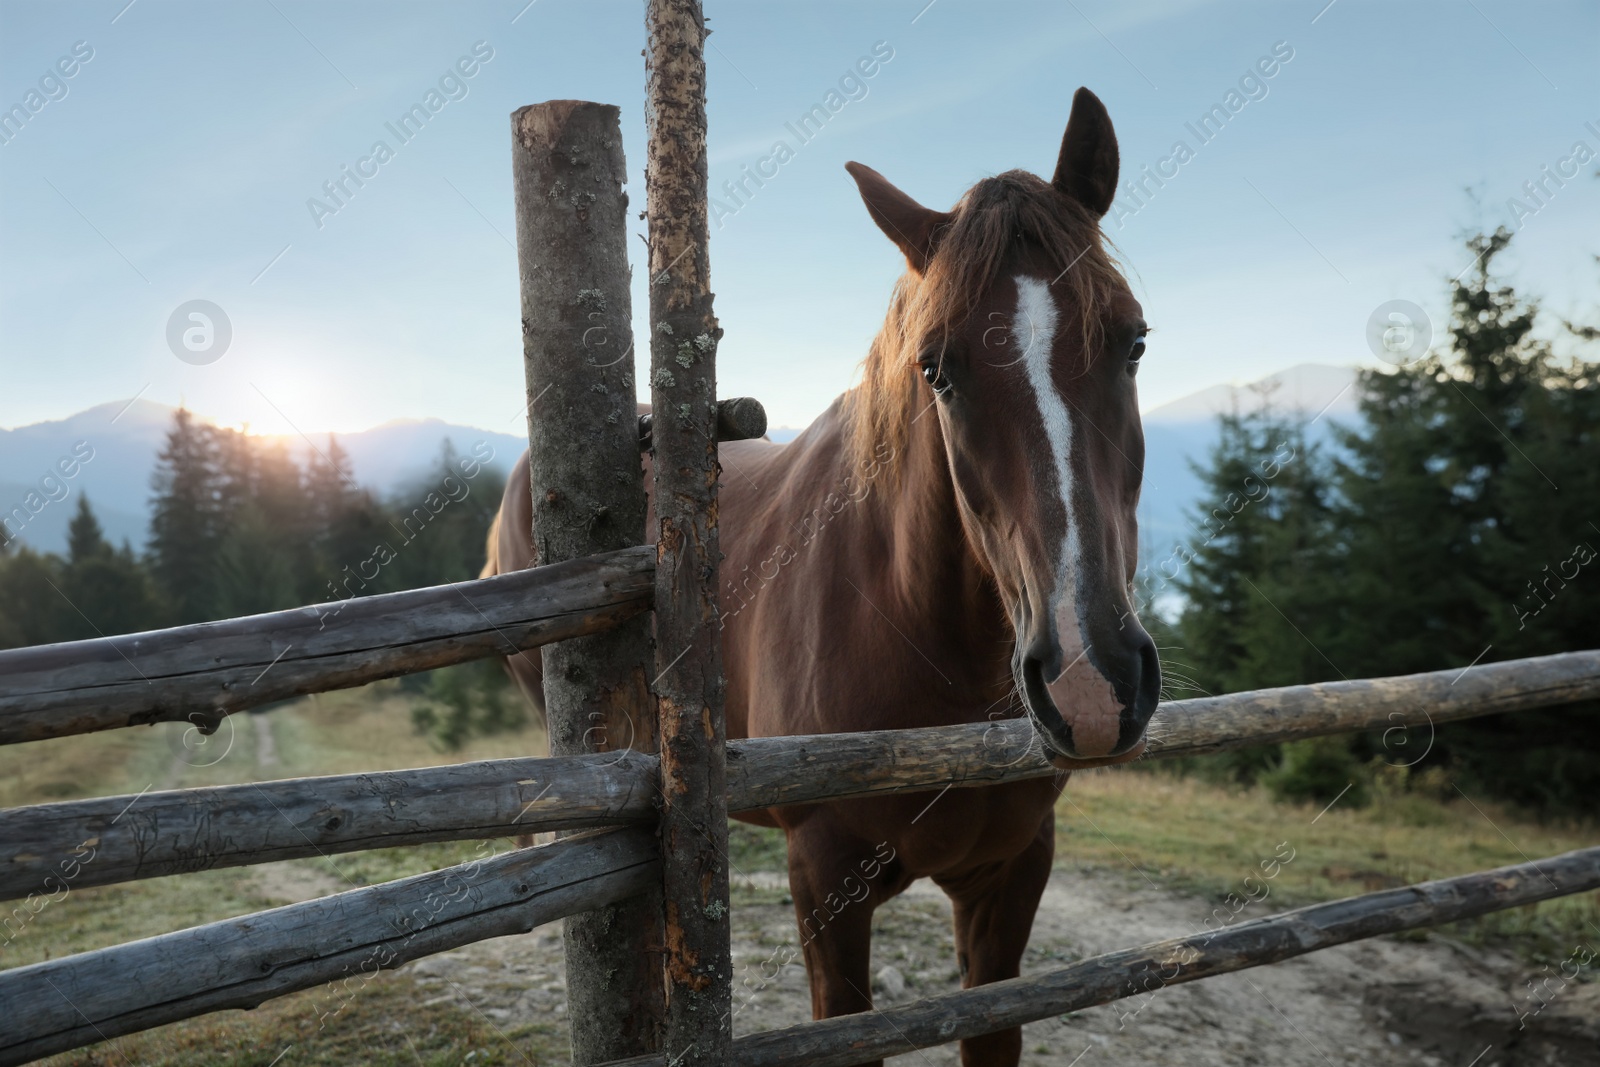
(297, 402)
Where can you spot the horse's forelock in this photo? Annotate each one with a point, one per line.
(997, 219)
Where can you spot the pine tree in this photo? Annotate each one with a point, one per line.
(1456, 527)
(263, 552)
(97, 591)
(439, 521)
(33, 610)
(186, 518)
(85, 539)
(1259, 525)
(1424, 485)
(329, 485)
(255, 565)
(1468, 503)
(111, 593)
(347, 525)
(1256, 537)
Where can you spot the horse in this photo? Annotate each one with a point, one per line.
(953, 540)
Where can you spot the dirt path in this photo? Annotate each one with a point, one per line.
(1384, 1003)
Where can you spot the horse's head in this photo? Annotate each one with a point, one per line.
(1015, 325)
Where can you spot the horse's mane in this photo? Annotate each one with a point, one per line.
(996, 217)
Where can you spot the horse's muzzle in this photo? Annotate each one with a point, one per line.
(1096, 706)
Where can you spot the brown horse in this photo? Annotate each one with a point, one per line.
(953, 540)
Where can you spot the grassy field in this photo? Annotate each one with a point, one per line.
(1179, 833)
(1192, 835)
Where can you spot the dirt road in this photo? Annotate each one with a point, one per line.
(1384, 1003)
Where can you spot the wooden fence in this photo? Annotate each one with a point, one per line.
(93, 996)
(632, 821)
(182, 830)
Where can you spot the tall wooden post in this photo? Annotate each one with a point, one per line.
(588, 497)
(689, 688)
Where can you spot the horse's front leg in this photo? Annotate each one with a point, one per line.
(993, 914)
(832, 877)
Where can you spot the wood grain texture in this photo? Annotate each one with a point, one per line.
(586, 485)
(689, 683)
(202, 672)
(850, 1039)
(238, 963)
(225, 826)
(82, 843)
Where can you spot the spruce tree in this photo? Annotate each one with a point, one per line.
(1468, 501)
(85, 539)
(1257, 536)
(110, 593)
(439, 521)
(1257, 531)
(185, 519)
(262, 550)
(255, 565)
(1457, 526)
(33, 610)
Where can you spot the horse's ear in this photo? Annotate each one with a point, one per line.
(1087, 167)
(907, 223)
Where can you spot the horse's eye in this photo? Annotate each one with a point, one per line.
(932, 375)
(1135, 354)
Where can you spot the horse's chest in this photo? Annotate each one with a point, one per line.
(966, 829)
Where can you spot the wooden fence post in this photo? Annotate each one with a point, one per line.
(689, 687)
(588, 497)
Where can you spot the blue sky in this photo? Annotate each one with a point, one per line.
(179, 162)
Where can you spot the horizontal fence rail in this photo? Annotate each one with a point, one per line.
(84, 843)
(202, 672)
(114, 839)
(238, 963)
(1263, 716)
(771, 772)
(850, 1039)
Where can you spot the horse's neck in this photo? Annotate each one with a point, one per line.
(934, 577)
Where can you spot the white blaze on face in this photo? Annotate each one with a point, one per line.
(1034, 329)
(1085, 700)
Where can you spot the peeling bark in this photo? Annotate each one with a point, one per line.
(689, 689)
(587, 486)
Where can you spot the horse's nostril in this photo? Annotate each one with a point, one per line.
(1149, 689)
(1036, 693)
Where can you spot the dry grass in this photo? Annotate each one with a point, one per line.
(1190, 834)
(70, 767)
(349, 730)
(386, 1022)
(353, 730)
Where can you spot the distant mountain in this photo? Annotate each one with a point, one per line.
(121, 441)
(1186, 429)
(1305, 389)
(124, 439)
